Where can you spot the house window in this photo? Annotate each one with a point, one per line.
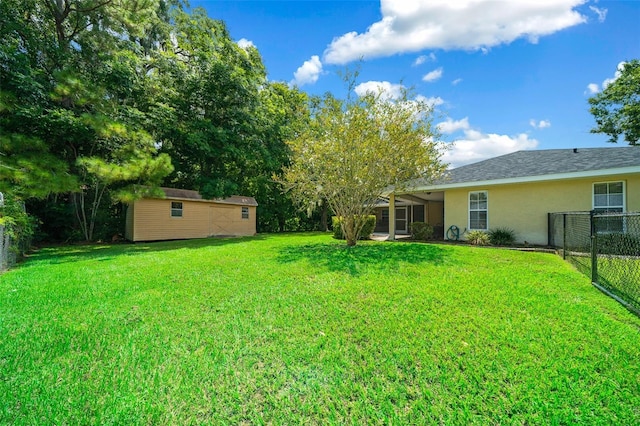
(478, 210)
(608, 197)
(176, 209)
(245, 212)
(384, 217)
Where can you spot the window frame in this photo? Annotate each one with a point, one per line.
(485, 210)
(175, 210)
(245, 212)
(601, 209)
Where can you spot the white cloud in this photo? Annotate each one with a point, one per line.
(593, 88)
(451, 126)
(393, 91)
(616, 76)
(542, 124)
(308, 72)
(456, 82)
(424, 58)
(475, 145)
(244, 43)
(462, 24)
(389, 90)
(432, 101)
(433, 75)
(602, 13)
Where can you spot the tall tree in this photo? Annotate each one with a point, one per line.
(77, 70)
(281, 114)
(210, 128)
(356, 148)
(617, 108)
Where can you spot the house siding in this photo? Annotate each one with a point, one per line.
(152, 221)
(523, 207)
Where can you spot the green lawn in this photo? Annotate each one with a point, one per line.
(301, 329)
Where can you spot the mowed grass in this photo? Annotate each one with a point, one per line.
(301, 329)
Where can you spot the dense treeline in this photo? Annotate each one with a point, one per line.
(102, 101)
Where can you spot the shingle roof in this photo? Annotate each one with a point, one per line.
(522, 164)
(187, 194)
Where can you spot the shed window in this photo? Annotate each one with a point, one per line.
(176, 209)
(478, 210)
(245, 212)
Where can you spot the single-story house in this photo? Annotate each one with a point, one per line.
(519, 190)
(184, 214)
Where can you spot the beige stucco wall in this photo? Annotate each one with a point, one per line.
(151, 220)
(524, 207)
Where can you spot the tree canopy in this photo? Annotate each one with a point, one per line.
(356, 148)
(102, 101)
(616, 108)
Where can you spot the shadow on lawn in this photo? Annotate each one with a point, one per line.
(363, 257)
(103, 252)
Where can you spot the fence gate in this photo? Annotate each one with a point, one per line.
(604, 246)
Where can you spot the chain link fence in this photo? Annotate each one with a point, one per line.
(604, 246)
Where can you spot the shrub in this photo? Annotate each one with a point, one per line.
(478, 238)
(367, 228)
(618, 244)
(502, 236)
(421, 231)
(17, 224)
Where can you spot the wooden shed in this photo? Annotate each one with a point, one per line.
(184, 214)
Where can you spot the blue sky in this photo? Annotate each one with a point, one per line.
(502, 75)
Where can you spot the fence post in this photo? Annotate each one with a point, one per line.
(594, 248)
(564, 236)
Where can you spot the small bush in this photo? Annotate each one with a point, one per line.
(502, 236)
(18, 225)
(478, 238)
(421, 231)
(367, 228)
(618, 244)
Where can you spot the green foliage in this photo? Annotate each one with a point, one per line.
(294, 326)
(18, 225)
(618, 244)
(421, 231)
(367, 225)
(355, 149)
(478, 238)
(502, 236)
(100, 100)
(617, 108)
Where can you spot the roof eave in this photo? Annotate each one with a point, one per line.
(203, 200)
(523, 179)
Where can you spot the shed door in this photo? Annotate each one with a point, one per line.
(221, 220)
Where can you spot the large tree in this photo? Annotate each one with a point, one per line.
(617, 108)
(73, 102)
(356, 148)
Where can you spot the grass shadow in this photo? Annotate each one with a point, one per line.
(362, 257)
(103, 252)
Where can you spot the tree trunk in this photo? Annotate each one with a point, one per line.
(349, 230)
(324, 223)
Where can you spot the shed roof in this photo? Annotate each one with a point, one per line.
(522, 166)
(188, 194)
